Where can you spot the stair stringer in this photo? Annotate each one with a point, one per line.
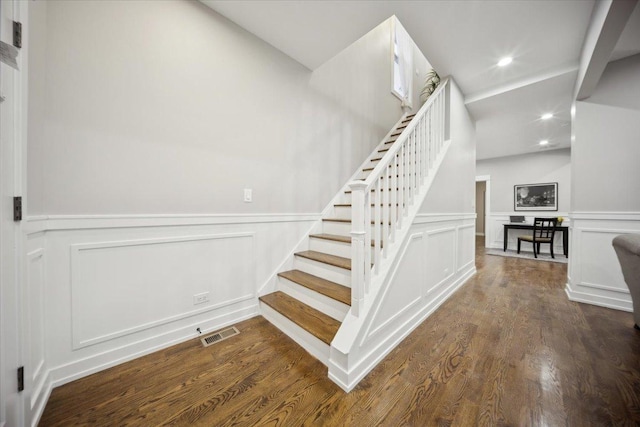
(352, 356)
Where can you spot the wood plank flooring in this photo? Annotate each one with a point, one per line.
(508, 349)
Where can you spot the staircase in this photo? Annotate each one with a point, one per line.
(313, 298)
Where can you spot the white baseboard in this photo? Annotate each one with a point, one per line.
(599, 300)
(99, 362)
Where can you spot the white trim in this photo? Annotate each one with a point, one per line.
(347, 380)
(369, 333)
(599, 300)
(42, 223)
(608, 216)
(425, 218)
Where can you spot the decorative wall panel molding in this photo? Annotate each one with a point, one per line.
(122, 287)
(595, 276)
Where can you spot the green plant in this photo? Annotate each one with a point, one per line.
(431, 82)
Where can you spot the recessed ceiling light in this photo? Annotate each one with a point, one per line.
(505, 61)
(544, 142)
(573, 138)
(546, 116)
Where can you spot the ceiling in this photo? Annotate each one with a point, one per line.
(464, 39)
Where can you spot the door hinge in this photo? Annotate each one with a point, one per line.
(17, 208)
(21, 378)
(17, 34)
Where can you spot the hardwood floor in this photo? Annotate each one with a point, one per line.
(508, 349)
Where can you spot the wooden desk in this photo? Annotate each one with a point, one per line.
(562, 228)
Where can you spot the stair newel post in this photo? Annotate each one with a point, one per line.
(401, 186)
(358, 236)
(366, 263)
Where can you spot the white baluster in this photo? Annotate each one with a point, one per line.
(386, 209)
(377, 238)
(393, 193)
(405, 191)
(401, 186)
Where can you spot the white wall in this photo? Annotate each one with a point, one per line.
(546, 166)
(167, 107)
(606, 150)
(606, 184)
(453, 188)
(505, 172)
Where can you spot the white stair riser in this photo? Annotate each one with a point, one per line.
(310, 343)
(332, 247)
(320, 302)
(328, 272)
(344, 212)
(347, 198)
(339, 228)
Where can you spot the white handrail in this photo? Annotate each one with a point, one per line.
(393, 185)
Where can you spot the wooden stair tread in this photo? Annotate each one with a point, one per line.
(319, 285)
(336, 261)
(335, 237)
(311, 320)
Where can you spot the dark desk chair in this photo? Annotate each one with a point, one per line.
(543, 231)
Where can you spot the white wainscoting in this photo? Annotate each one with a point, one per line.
(494, 232)
(437, 257)
(140, 284)
(116, 288)
(595, 276)
(37, 380)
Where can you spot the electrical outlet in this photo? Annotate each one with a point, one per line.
(248, 195)
(201, 298)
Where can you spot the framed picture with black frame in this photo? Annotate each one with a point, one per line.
(535, 197)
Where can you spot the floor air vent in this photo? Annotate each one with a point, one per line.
(219, 336)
